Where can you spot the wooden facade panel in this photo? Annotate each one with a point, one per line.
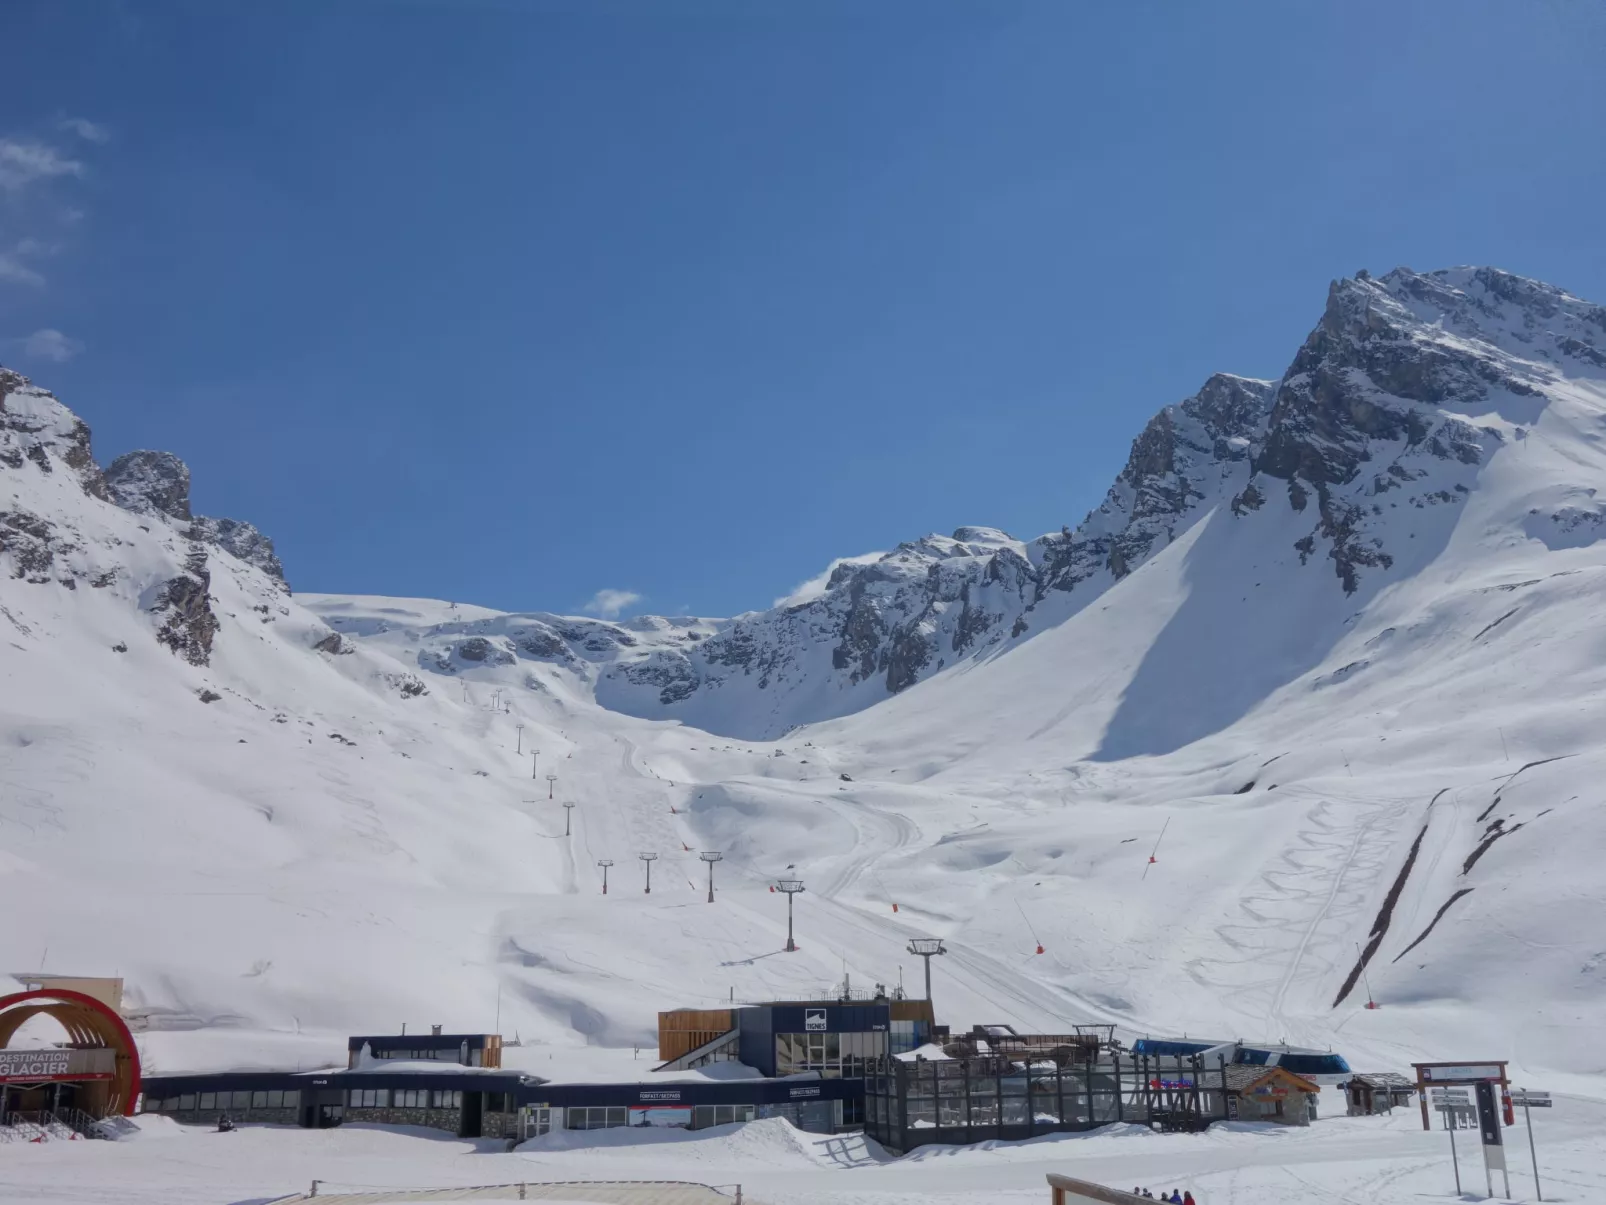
(683, 1029)
(912, 1010)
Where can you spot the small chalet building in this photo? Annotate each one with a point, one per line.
(1378, 1092)
(1270, 1093)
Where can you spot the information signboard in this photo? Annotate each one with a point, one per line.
(1461, 1071)
(34, 1064)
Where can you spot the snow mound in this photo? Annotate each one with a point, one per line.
(770, 1143)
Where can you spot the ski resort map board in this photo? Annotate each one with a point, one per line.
(1444, 1075)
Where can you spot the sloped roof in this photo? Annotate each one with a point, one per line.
(1384, 1079)
(1243, 1077)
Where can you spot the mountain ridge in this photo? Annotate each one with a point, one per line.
(1370, 375)
(282, 815)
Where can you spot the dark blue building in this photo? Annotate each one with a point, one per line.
(494, 1104)
(834, 1040)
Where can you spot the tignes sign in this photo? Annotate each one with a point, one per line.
(34, 1064)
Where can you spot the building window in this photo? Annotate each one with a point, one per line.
(186, 1102)
(208, 1101)
(704, 1116)
(259, 1100)
(292, 1099)
(445, 1100)
(242, 1101)
(412, 1098)
(368, 1098)
(597, 1118)
(410, 1054)
(831, 1055)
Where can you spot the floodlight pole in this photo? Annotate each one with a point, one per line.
(520, 728)
(648, 859)
(551, 784)
(568, 811)
(926, 948)
(604, 863)
(711, 856)
(535, 758)
(789, 888)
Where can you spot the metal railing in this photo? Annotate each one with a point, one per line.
(35, 1126)
(78, 1121)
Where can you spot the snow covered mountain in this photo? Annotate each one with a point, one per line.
(1335, 636)
(871, 626)
(1384, 405)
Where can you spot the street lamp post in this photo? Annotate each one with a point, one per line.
(648, 859)
(927, 948)
(568, 811)
(535, 759)
(711, 856)
(604, 863)
(789, 888)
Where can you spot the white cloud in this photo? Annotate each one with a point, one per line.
(13, 269)
(49, 344)
(609, 604)
(88, 130)
(22, 163)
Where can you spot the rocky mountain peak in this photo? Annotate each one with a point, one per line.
(158, 483)
(1400, 372)
(146, 482)
(35, 427)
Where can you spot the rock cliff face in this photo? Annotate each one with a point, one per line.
(58, 528)
(1382, 404)
(158, 483)
(36, 428)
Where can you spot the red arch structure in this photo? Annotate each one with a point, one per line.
(90, 1025)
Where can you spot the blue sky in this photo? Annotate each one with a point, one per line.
(514, 302)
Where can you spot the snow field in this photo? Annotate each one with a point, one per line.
(1388, 1160)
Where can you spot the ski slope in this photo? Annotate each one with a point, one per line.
(328, 820)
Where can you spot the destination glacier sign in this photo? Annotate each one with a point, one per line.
(34, 1064)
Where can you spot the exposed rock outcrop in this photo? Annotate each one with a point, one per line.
(36, 428)
(183, 605)
(158, 483)
(1368, 405)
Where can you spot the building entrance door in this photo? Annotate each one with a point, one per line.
(473, 1113)
(534, 1121)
